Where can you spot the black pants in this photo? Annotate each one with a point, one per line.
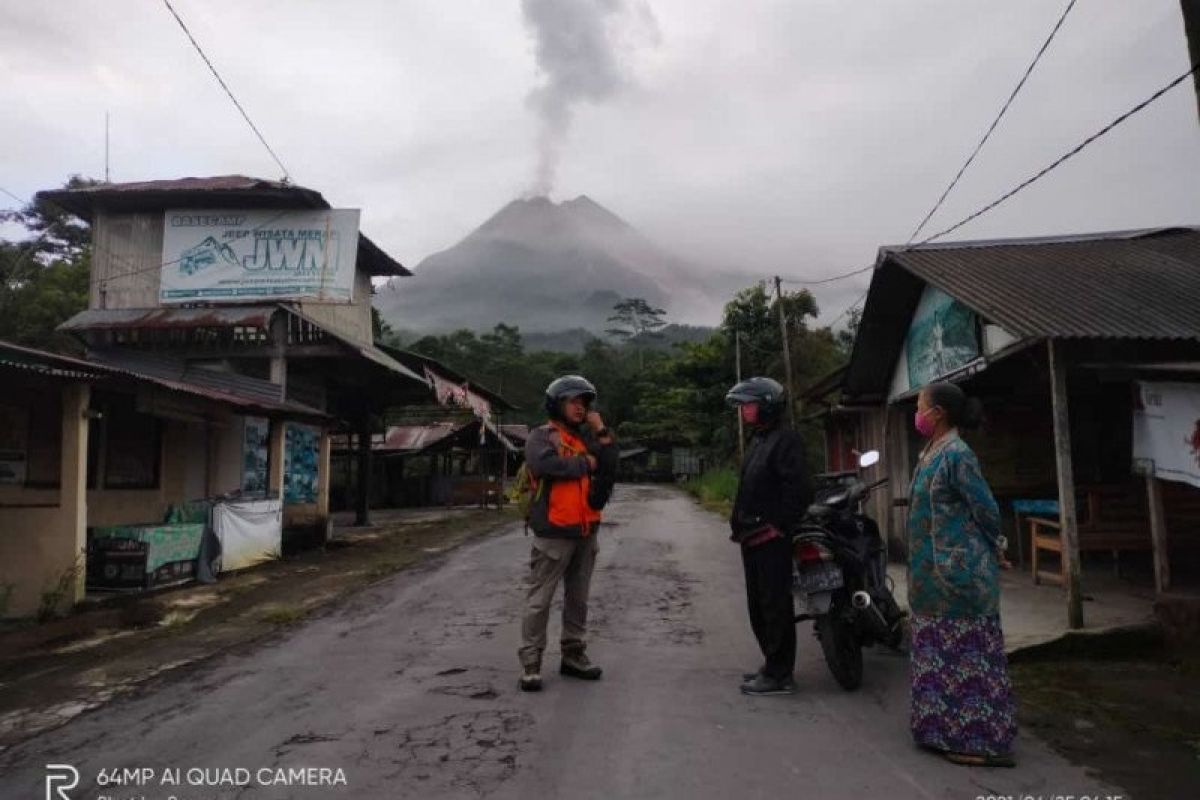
(769, 597)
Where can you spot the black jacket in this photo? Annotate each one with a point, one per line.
(775, 487)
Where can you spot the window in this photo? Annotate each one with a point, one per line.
(124, 447)
(31, 438)
(44, 467)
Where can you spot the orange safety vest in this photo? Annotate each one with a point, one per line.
(568, 501)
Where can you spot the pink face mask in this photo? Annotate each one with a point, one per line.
(925, 426)
(750, 413)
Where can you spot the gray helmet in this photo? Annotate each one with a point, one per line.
(768, 393)
(565, 388)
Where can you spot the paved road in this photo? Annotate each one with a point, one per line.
(410, 689)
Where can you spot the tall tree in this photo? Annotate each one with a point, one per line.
(637, 323)
(44, 276)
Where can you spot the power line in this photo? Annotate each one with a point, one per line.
(1004, 109)
(831, 279)
(1073, 151)
(14, 197)
(228, 91)
(848, 309)
(156, 267)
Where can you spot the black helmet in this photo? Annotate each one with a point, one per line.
(565, 388)
(768, 393)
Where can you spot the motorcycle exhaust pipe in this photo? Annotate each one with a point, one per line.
(862, 601)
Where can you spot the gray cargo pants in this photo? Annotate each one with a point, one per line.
(552, 560)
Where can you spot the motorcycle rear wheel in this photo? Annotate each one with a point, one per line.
(843, 653)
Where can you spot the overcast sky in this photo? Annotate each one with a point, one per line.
(775, 137)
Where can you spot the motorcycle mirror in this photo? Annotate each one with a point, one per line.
(868, 459)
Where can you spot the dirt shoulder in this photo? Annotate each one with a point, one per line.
(1136, 722)
(50, 674)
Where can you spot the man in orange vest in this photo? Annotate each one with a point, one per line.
(573, 459)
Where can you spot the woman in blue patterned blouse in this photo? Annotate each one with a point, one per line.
(962, 703)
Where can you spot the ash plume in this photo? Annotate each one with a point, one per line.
(578, 47)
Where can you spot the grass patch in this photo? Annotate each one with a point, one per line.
(715, 489)
(282, 614)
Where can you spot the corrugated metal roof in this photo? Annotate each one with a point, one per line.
(417, 361)
(1117, 286)
(14, 356)
(417, 437)
(248, 394)
(157, 318)
(222, 191)
(1128, 287)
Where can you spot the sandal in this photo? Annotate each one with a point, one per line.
(979, 760)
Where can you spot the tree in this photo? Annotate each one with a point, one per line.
(637, 323)
(44, 279)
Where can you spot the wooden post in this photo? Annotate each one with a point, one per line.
(362, 516)
(1066, 484)
(787, 354)
(1158, 533)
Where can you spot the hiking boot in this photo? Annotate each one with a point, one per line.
(531, 678)
(577, 665)
(762, 686)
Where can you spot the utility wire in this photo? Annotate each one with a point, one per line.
(1073, 151)
(14, 197)
(155, 267)
(224, 86)
(848, 309)
(831, 279)
(995, 122)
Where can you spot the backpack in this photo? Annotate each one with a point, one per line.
(526, 489)
(525, 492)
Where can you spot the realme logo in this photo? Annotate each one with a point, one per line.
(60, 778)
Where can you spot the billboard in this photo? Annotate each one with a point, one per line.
(262, 254)
(942, 338)
(1166, 430)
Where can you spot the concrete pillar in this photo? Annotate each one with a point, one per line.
(73, 482)
(279, 333)
(275, 457)
(323, 476)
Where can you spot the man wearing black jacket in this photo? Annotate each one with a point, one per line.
(774, 491)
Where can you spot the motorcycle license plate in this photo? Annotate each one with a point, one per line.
(823, 578)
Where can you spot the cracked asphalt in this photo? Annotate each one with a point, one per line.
(409, 688)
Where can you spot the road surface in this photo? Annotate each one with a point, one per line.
(409, 690)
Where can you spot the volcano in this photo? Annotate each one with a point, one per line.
(544, 266)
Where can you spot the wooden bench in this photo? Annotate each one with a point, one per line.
(1113, 519)
(1117, 519)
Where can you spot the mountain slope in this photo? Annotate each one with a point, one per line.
(543, 266)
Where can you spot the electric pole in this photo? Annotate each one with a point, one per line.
(787, 354)
(737, 356)
(1191, 27)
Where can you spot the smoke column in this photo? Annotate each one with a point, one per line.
(576, 51)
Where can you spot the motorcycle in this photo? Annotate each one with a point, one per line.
(841, 576)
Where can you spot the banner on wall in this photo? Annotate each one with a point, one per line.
(301, 464)
(943, 338)
(1166, 430)
(259, 254)
(255, 449)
